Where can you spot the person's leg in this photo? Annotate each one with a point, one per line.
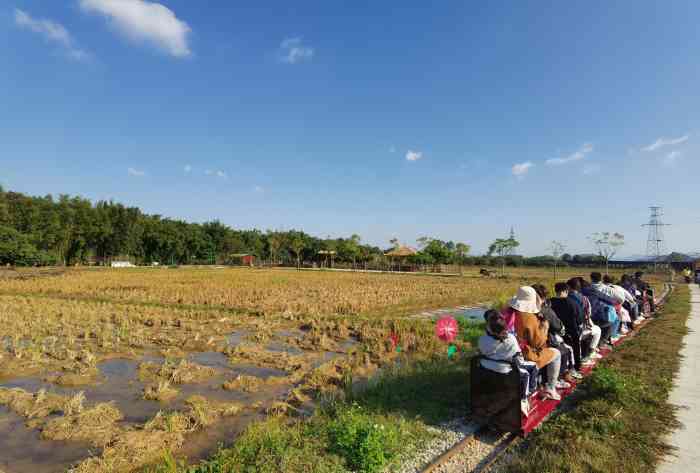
(650, 295)
(596, 333)
(606, 331)
(524, 383)
(575, 344)
(553, 369)
(564, 361)
(633, 309)
(531, 367)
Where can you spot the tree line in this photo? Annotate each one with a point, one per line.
(71, 230)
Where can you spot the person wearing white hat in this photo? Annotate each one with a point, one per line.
(531, 330)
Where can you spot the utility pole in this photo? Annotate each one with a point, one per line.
(656, 247)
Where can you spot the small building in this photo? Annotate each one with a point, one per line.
(401, 252)
(242, 259)
(677, 261)
(327, 258)
(399, 255)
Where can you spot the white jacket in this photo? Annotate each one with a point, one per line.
(624, 293)
(607, 292)
(496, 349)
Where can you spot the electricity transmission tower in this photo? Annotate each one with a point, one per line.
(655, 241)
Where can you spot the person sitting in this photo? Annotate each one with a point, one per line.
(646, 290)
(622, 313)
(632, 304)
(531, 331)
(500, 351)
(508, 314)
(592, 333)
(628, 309)
(571, 315)
(603, 300)
(555, 335)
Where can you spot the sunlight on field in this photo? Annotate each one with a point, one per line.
(127, 363)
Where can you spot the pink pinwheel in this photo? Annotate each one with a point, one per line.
(446, 329)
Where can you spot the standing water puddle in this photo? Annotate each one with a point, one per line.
(472, 314)
(22, 451)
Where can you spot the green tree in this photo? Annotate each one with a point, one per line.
(16, 249)
(297, 243)
(503, 247)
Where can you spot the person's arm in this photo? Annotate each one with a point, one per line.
(628, 296)
(555, 324)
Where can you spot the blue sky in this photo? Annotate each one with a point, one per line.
(448, 119)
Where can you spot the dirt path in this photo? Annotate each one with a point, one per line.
(686, 394)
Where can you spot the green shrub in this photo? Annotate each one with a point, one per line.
(366, 446)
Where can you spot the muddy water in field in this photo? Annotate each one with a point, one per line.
(203, 444)
(22, 451)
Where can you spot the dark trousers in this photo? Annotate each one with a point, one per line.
(650, 297)
(606, 329)
(575, 344)
(633, 309)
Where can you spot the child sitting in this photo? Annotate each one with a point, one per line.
(500, 349)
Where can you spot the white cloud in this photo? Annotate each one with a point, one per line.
(521, 169)
(661, 142)
(135, 172)
(294, 51)
(258, 189)
(187, 169)
(414, 155)
(51, 31)
(141, 20)
(578, 155)
(221, 174)
(671, 158)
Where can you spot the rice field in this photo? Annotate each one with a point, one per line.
(105, 370)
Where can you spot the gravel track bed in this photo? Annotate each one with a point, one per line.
(475, 455)
(447, 435)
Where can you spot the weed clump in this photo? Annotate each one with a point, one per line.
(96, 425)
(175, 372)
(162, 392)
(366, 446)
(249, 384)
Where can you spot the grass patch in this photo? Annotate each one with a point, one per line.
(622, 411)
(433, 390)
(368, 432)
(341, 438)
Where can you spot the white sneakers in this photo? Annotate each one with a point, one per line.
(563, 385)
(575, 374)
(552, 394)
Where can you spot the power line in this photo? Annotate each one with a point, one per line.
(656, 246)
